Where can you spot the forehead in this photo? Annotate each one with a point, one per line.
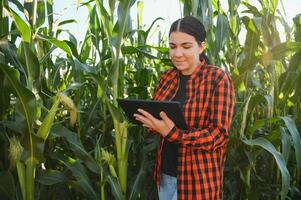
(181, 37)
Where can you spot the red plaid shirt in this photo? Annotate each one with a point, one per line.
(208, 111)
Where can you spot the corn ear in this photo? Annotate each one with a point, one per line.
(110, 159)
(44, 129)
(73, 116)
(15, 150)
(66, 101)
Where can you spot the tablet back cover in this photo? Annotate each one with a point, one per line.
(171, 108)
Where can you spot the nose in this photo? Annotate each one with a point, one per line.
(177, 52)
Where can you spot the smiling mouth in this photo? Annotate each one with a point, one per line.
(183, 61)
(179, 63)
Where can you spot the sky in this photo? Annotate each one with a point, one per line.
(170, 10)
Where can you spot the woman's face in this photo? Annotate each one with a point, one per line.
(184, 52)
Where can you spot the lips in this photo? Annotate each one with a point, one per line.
(179, 61)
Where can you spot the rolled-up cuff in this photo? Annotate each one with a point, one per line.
(172, 135)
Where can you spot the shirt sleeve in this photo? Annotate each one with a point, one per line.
(216, 134)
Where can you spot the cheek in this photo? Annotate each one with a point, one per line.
(171, 53)
(193, 55)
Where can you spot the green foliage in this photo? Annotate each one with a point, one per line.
(75, 141)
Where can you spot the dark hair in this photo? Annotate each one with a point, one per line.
(193, 27)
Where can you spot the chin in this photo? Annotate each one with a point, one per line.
(181, 67)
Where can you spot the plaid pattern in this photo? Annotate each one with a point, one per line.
(208, 111)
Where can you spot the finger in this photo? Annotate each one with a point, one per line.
(146, 125)
(137, 115)
(140, 116)
(165, 117)
(143, 119)
(146, 114)
(169, 123)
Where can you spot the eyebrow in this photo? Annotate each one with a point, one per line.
(184, 43)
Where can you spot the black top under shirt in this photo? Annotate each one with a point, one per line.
(170, 149)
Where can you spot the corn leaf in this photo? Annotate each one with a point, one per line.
(282, 50)
(291, 126)
(285, 143)
(82, 181)
(116, 189)
(52, 177)
(76, 146)
(32, 62)
(25, 96)
(265, 144)
(222, 33)
(58, 43)
(7, 185)
(22, 26)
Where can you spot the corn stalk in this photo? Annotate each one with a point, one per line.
(115, 43)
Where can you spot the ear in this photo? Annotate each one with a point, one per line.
(202, 46)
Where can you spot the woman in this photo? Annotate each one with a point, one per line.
(190, 163)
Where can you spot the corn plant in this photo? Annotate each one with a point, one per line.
(21, 70)
(84, 148)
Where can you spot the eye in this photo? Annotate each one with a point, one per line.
(186, 46)
(172, 46)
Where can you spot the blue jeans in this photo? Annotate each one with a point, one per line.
(168, 187)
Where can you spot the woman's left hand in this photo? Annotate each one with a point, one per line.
(162, 126)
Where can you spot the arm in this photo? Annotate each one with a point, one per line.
(217, 133)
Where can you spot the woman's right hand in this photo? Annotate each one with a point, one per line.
(163, 126)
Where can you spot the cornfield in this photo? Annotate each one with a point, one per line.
(63, 136)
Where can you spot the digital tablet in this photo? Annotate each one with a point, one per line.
(171, 108)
